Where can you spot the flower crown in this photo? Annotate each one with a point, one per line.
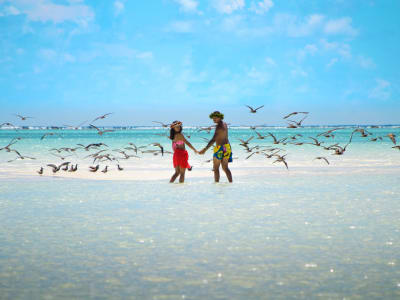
(176, 123)
(217, 114)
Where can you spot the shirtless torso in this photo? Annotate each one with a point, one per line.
(222, 151)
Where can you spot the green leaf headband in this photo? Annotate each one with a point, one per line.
(217, 114)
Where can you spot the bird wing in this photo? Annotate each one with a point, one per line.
(259, 107)
(94, 127)
(325, 160)
(252, 109)
(291, 114)
(275, 140)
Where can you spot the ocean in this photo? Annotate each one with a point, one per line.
(310, 231)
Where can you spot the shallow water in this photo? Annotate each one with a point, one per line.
(362, 152)
(269, 237)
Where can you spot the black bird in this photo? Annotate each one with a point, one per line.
(101, 117)
(254, 110)
(281, 159)
(23, 118)
(94, 169)
(160, 146)
(162, 124)
(105, 169)
(295, 113)
(40, 172)
(323, 158)
(100, 132)
(50, 133)
(119, 168)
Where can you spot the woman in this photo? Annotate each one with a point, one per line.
(181, 156)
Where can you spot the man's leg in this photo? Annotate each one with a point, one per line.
(217, 163)
(225, 167)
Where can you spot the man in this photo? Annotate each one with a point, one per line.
(222, 150)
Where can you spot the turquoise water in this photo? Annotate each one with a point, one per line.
(361, 152)
(313, 232)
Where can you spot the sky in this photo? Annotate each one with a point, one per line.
(67, 61)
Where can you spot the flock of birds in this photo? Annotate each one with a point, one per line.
(102, 153)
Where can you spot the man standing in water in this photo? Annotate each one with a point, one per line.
(222, 150)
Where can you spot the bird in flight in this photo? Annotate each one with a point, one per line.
(162, 124)
(9, 124)
(75, 127)
(94, 169)
(100, 132)
(23, 118)
(295, 113)
(159, 146)
(297, 123)
(281, 159)
(392, 137)
(323, 158)
(101, 117)
(328, 133)
(254, 110)
(50, 133)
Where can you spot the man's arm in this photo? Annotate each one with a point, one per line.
(210, 143)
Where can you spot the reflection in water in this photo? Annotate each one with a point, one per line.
(316, 237)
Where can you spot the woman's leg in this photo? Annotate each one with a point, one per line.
(182, 175)
(176, 174)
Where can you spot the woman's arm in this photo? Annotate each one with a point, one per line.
(189, 144)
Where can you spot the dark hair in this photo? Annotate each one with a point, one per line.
(172, 131)
(217, 114)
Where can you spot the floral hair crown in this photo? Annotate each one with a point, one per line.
(217, 114)
(176, 123)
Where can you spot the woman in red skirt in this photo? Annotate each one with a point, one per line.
(181, 156)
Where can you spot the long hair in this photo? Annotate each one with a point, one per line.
(172, 132)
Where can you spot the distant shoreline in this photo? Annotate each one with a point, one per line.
(144, 127)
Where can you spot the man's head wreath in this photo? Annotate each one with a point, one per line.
(217, 114)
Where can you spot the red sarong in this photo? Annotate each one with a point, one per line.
(181, 158)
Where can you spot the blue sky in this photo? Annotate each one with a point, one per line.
(69, 61)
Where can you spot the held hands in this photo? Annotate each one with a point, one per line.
(202, 151)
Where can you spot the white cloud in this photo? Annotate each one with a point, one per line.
(342, 49)
(118, 7)
(69, 58)
(309, 49)
(340, 26)
(145, 55)
(228, 6)
(180, 26)
(261, 7)
(298, 72)
(295, 28)
(47, 54)
(53, 56)
(188, 5)
(381, 90)
(366, 62)
(258, 76)
(47, 11)
(11, 10)
(332, 62)
(270, 61)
